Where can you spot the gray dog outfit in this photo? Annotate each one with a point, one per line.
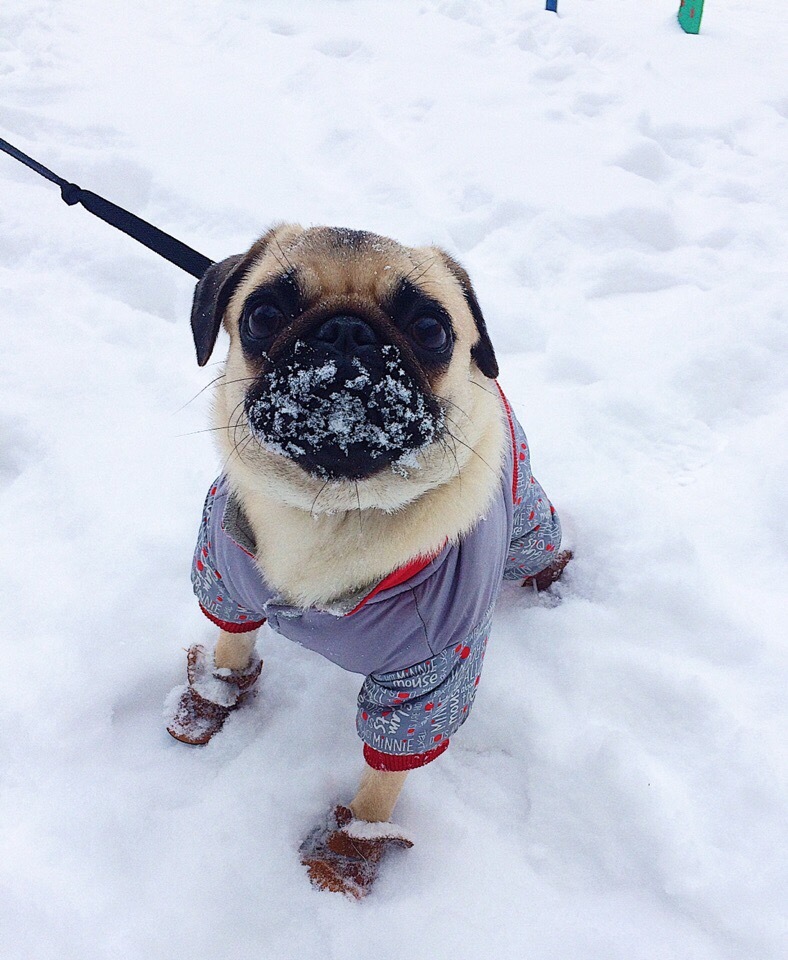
(419, 636)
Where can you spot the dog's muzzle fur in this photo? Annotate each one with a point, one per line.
(342, 404)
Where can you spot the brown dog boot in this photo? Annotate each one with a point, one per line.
(211, 695)
(343, 855)
(547, 577)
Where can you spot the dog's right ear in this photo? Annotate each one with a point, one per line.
(211, 296)
(213, 292)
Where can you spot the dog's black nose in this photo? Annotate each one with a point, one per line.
(346, 334)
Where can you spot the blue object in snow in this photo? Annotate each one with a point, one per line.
(551, 5)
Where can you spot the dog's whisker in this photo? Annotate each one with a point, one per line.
(283, 260)
(422, 263)
(228, 382)
(453, 404)
(232, 425)
(194, 433)
(451, 452)
(481, 387)
(244, 446)
(358, 501)
(317, 497)
(199, 393)
(284, 255)
(240, 424)
(474, 452)
(458, 428)
(451, 422)
(237, 450)
(215, 384)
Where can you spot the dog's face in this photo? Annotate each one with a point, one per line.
(352, 367)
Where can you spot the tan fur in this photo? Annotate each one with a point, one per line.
(234, 650)
(377, 794)
(317, 541)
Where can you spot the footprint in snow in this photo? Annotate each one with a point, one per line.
(340, 48)
(17, 450)
(646, 159)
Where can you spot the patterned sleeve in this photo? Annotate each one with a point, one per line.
(406, 717)
(536, 532)
(211, 578)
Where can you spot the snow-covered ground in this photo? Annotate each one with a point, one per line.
(617, 190)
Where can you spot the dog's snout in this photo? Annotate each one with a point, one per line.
(346, 334)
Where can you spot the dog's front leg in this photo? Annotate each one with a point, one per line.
(345, 852)
(234, 650)
(219, 680)
(377, 794)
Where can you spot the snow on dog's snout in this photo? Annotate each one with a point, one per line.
(343, 418)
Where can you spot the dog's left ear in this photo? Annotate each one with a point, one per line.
(211, 296)
(482, 351)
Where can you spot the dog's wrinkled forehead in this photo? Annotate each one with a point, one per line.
(333, 262)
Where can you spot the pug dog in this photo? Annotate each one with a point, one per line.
(376, 491)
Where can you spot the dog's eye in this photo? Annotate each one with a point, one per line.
(429, 334)
(263, 321)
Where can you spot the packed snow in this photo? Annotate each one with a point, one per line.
(616, 189)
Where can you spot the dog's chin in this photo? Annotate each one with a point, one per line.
(344, 420)
(263, 472)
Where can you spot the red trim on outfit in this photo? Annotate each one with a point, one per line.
(233, 540)
(396, 577)
(233, 627)
(406, 761)
(515, 472)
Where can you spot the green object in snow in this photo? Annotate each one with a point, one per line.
(690, 13)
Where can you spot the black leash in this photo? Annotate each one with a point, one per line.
(162, 243)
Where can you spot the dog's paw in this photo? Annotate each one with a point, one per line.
(196, 720)
(206, 702)
(547, 577)
(343, 855)
(227, 688)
